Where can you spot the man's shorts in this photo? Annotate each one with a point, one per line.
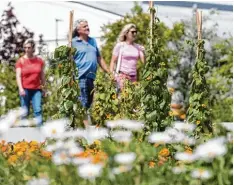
(86, 91)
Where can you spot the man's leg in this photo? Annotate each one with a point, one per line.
(84, 97)
(25, 102)
(37, 107)
(90, 89)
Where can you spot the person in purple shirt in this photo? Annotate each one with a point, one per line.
(129, 53)
(86, 58)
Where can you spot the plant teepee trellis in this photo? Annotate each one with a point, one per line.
(199, 103)
(155, 96)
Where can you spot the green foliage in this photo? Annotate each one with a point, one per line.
(110, 105)
(155, 96)
(199, 101)
(220, 80)
(68, 90)
(8, 80)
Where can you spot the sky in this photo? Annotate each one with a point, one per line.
(40, 17)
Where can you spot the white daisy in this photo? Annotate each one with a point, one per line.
(121, 169)
(41, 181)
(127, 124)
(184, 156)
(89, 171)
(54, 128)
(81, 160)
(228, 126)
(159, 137)
(178, 169)
(125, 158)
(122, 136)
(92, 133)
(61, 157)
(211, 149)
(201, 174)
(184, 126)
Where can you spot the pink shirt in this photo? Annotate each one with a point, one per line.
(129, 57)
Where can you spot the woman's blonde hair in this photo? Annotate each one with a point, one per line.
(122, 36)
(30, 41)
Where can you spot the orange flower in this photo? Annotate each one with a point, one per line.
(188, 150)
(46, 154)
(151, 164)
(108, 116)
(160, 163)
(164, 152)
(20, 154)
(12, 159)
(4, 148)
(198, 122)
(156, 145)
(183, 116)
(113, 96)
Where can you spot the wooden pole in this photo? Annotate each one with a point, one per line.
(151, 5)
(199, 28)
(70, 28)
(199, 24)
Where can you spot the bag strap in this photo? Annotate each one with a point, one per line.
(119, 58)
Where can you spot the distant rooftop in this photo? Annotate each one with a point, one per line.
(120, 8)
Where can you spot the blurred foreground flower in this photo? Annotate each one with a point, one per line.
(90, 171)
(121, 169)
(41, 181)
(228, 126)
(178, 169)
(54, 129)
(122, 136)
(126, 124)
(125, 158)
(201, 174)
(160, 138)
(184, 126)
(211, 149)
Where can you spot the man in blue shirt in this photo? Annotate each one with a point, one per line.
(86, 58)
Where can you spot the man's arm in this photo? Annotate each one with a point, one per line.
(103, 65)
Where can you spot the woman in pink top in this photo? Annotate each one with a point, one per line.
(129, 53)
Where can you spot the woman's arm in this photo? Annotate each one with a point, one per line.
(112, 63)
(19, 82)
(142, 54)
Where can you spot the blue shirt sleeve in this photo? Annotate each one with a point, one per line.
(95, 45)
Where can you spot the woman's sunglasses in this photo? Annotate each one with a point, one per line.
(133, 32)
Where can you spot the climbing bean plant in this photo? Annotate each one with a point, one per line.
(199, 111)
(155, 98)
(68, 90)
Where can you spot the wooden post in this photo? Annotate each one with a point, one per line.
(70, 28)
(199, 27)
(151, 5)
(199, 24)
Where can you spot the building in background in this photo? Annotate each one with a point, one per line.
(51, 18)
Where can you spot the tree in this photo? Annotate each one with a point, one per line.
(12, 37)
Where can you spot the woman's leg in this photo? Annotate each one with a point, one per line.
(37, 106)
(25, 102)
